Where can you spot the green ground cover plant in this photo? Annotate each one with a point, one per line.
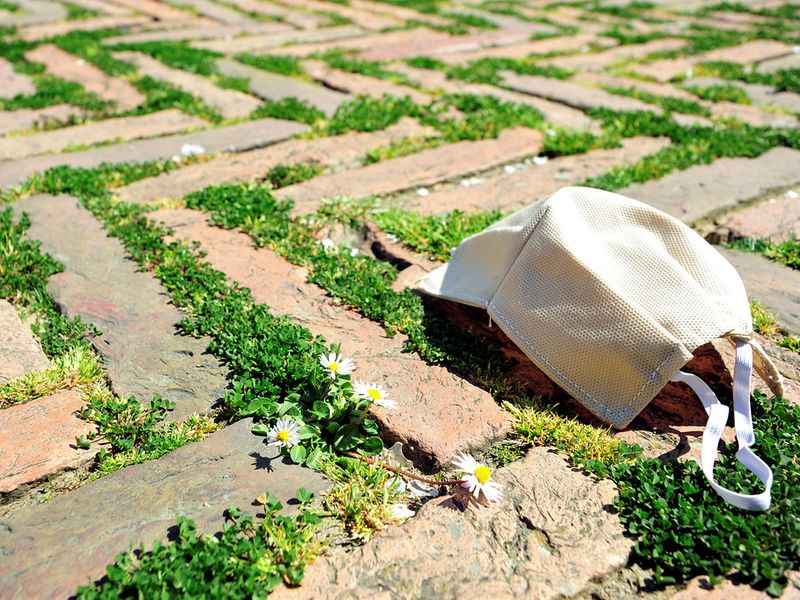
(291, 109)
(249, 558)
(487, 70)
(669, 104)
(340, 59)
(76, 12)
(284, 65)
(282, 175)
(434, 236)
(404, 147)
(719, 93)
(786, 252)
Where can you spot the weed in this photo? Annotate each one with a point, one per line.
(485, 117)
(370, 114)
(249, 558)
(285, 65)
(361, 497)
(486, 70)
(434, 235)
(404, 147)
(291, 109)
(282, 175)
(719, 93)
(339, 59)
(77, 367)
(764, 322)
(792, 342)
(471, 20)
(177, 54)
(784, 80)
(670, 104)
(76, 12)
(786, 252)
(425, 62)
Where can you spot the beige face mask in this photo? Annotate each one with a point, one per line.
(609, 297)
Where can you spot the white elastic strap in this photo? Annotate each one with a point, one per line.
(743, 420)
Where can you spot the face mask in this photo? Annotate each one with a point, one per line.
(609, 297)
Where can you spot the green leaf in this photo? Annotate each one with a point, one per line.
(297, 454)
(260, 429)
(313, 459)
(372, 445)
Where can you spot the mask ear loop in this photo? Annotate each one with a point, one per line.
(743, 420)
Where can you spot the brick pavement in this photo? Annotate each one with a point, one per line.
(560, 539)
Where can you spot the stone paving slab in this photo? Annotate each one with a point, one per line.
(599, 60)
(50, 421)
(556, 113)
(196, 30)
(20, 352)
(509, 191)
(272, 86)
(429, 45)
(773, 284)
(48, 30)
(576, 42)
(777, 219)
(26, 118)
(791, 61)
(552, 534)
(360, 85)
(160, 11)
(297, 18)
(751, 115)
(572, 94)
(13, 83)
(705, 191)
(264, 42)
(420, 39)
(50, 549)
(421, 169)
(142, 352)
(758, 93)
(234, 138)
(217, 12)
(438, 414)
(109, 130)
(70, 67)
(34, 12)
(366, 17)
(333, 152)
(231, 103)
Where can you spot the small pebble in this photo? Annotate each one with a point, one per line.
(422, 192)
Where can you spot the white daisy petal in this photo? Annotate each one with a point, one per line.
(401, 512)
(336, 365)
(285, 433)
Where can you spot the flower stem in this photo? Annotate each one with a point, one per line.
(402, 472)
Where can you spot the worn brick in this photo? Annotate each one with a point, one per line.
(296, 18)
(13, 83)
(264, 42)
(49, 30)
(508, 191)
(34, 12)
(25, 118)
(109, 130)
(754, 51)
(142, 352)
(705, 191)
(158, 10)
(549, 537)
(231, 103)
(20, 353)
(775, 285)
(39, 439)
(333, 152)
(421, 169)
(367, 17)
(234, 138)
(272, 86)
(439, 413)
(554, 44)
(70, 67)
(197, 30)
(360, 85)
(431, 44)
(600, 60)
(752, 115)
(777, 219)
(217, 12)
(48, 550)
(791, 61)
(758, 93)
(572, 94)
(554, 112)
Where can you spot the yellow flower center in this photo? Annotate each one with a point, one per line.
(334, 366)
(482, 474)
(282, 436)
(374, 394)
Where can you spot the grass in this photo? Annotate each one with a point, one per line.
(78, 366)
(340, 59)
(670, 104)
(786, 252)
(403, 147)
(291, 109)
(284, 65)
(787, 80)
(487, 70)
(764, 322)
(282, 175)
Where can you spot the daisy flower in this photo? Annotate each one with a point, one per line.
(374, 393)
(335, 365)
(285, 433)
(477, 478)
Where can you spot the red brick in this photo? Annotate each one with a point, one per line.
(777, 219)
(49, 30)
(20, 353)
(421, 169)
(509, 191)
(25, 118)
(70, 67)
(598, 61)
(39, 439)
(13, 83)
(439, 414)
